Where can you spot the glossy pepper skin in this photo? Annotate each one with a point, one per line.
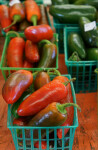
(32, 11)
(15, 52)
(4, 17)
(38, 33)
(48, 57)
(54, 91)
(17, 13)
(23, 121)
(41, 79)
(54, 114)
(15, 85)
(70, 110)
(31, 52)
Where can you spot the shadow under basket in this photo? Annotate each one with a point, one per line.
(23, 141)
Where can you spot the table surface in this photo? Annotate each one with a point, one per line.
(86, 135)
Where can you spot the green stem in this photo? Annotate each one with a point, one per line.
(13, 32)
(96, 70)
(34, 20)
(66, 83)
(16, 18)
(61, 107)
(35, 73)
(56, 72)
(43, 42)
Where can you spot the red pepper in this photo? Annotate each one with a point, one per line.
(15, 52)
(4, 17)
(43, 145)
(70, 110)
(31, 52)
(38, 33)
(15, 85)
(17, 13)
(32, 11)
(19, 122)
(53, 91)
(27, 64)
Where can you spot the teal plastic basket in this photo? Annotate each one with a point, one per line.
(60, 30)
(7, 1)
(65, 143)
(6, 71)
(82, 70)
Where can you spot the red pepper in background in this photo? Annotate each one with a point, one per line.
(27, 64)
(43, 145)
(17, 13)
(15, 51)
(19, 122)
(54, 91)
(15, 85)
(38, 33)
(31, 52)
(32, 11)
(4, 17)
(70, 110)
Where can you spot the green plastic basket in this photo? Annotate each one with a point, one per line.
(7, 1)
(65, 143)
(82, 70)
(6, 71)
(59, 29)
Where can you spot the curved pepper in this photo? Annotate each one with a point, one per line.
(48, 56)
(15, 51)
(54, 91)
(31, 52)
(4, 17)
(15, 85)
(17, 13)
(32, 11)
(38, 33)
(53, 115)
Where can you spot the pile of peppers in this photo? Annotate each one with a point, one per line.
(19, 15)
(36, 52)
(46, 104)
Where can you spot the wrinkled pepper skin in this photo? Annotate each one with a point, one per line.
(48, 57)
(38, 33)
(32, 11)
(15, 85)
(15, 52)
(16, 105)
(4, 17)
(54, 91)
(31, 52)
(70, 110)
(41, 79)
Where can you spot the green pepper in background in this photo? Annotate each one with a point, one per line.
(59, 2)
(48, 54)
(74, 57)
(71, 13)
(16, 105)
(92, 54)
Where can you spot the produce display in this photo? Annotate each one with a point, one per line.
(20, 15)
(39, 108)
(83, 45)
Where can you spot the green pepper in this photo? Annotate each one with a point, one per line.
(48, 56)
(59, 2)
(16, 105)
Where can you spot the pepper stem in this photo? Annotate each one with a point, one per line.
(56, 72)
(66, 83)
(34, 20)
(16, 19)
(96, 70)
(43, 42)
(13, 32)
(61, 107)
(35, 73)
